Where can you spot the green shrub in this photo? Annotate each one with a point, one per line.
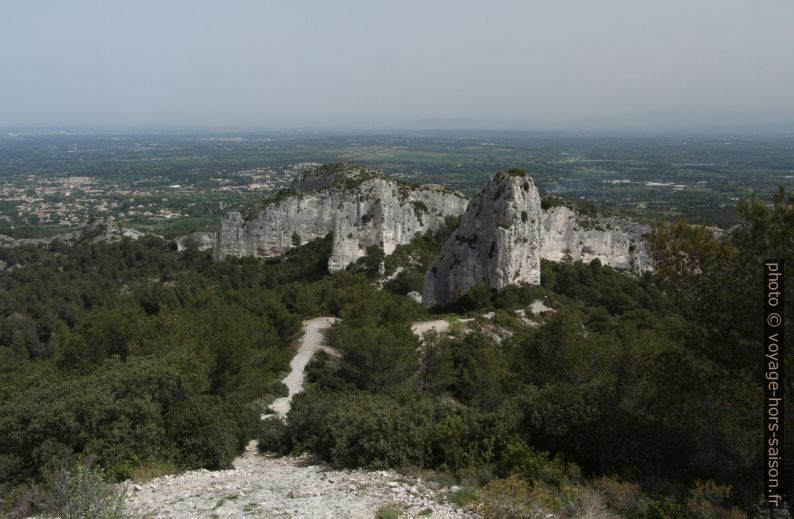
(272, 436)
(532, 465)
(278, 389)
(208, 432)
(79, 493)
(623, 497)
(478, 297)
(354, 429)
(463, 496)
(376, 358)
(406, 281)
(508, 499)
(371, 264)
(708, 500)
(323, 373)
(114, 414)
(666, 508)
(388, 512)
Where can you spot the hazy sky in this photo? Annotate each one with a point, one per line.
(556, 64)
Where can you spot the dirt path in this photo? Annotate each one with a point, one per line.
(421, 327)
(312, 340)
(287, 487)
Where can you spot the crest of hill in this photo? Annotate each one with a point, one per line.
(346, 176)
(342, 175)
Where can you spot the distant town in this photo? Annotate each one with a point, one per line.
(176, 183)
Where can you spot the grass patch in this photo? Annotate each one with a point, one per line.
(149, 471)
(463, 496)
(390, 511)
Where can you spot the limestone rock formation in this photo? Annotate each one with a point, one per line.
(201, 240)
(498, 241)
(617, 242)
(505, 232)
(416, 297)
(360, 206)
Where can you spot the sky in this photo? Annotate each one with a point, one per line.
(429, 64)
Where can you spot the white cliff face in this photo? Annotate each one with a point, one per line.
(361, 207)
(497, 243)
(616, 242)
(501, 238)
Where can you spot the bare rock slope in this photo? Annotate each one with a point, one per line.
(498, 241)
(360, 206)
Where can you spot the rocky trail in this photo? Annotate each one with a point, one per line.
(312, 340)
(288, 487)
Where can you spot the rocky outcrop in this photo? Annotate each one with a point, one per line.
(95, 231)
(498, 241)
(505, 233)
(201, 240)
(501, 239)
(617, 242)
(360, 206)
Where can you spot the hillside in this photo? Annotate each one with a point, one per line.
(595, 391)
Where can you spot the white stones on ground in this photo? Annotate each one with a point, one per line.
(539, 306)
(438, 326)
(269, 486)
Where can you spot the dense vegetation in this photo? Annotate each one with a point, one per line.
(635, 395)
(144, 359)
(639, 394)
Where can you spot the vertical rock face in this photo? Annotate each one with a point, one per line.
(498, 241)
(616, 242)
(361, 207)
